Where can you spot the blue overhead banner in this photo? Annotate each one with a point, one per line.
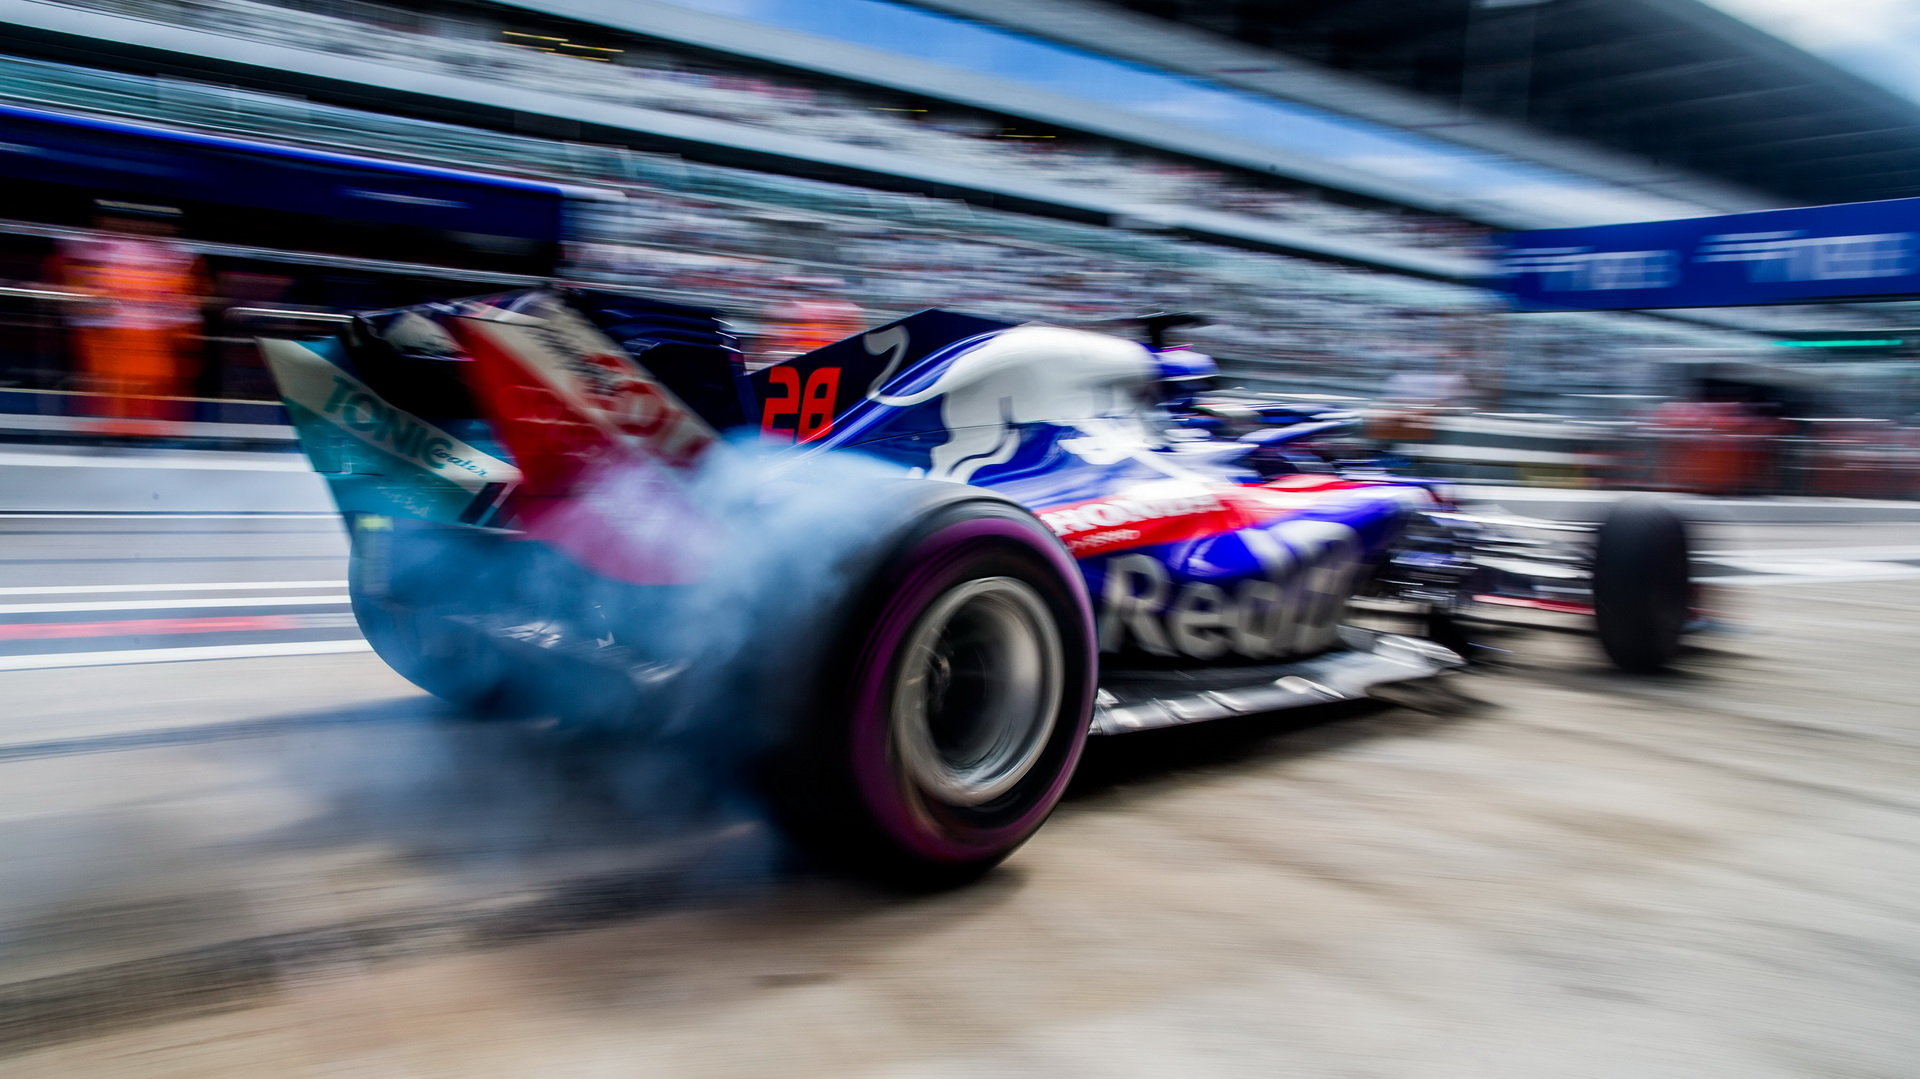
(1858, 250)
(122, 159)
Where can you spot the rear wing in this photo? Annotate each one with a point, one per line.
(488, 411)
(461, 412)
(378, 457)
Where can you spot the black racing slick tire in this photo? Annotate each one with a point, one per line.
(1642, 591)
(952, 703)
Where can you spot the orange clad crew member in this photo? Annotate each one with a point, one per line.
(814, 318)
(133, 334)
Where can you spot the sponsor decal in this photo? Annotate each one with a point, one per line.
(1790, 255)
(1772, 256)
(1292, 606)
(593, 377)
(353, 406)
(1764, 256)
(1090, 528)
(1169, 512)
(1001, 385)
(321, 387)
(1564, 269)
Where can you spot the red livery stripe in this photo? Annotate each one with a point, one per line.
(1150, 517)
(135, 627)
(1558, 606)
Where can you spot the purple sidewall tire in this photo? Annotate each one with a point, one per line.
(904, 819)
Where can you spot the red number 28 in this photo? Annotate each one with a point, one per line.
(811, 406)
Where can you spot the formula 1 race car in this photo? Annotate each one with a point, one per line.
(972, 545)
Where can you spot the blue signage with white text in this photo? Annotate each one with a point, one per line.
(1858, 250)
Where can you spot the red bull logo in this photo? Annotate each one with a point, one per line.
(1292, 607)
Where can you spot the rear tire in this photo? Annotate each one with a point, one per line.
(953, 704)
(1642, 594)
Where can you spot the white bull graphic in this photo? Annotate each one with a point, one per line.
(1029, 374)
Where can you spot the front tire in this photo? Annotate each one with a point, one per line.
(954, 704)
(1642, 592)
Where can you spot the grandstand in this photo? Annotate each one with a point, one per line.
(1681, 85)
(741, 161)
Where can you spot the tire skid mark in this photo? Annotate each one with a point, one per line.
(1726, 767)
(400, 711)
(83, 1004)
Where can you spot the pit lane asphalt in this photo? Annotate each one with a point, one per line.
(299, 865)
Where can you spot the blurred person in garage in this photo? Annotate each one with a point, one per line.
(814, 315)
(135, 328)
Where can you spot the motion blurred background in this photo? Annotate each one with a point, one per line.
(232, 842)
(1322, 181)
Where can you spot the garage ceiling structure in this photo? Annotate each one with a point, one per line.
(1673, 81)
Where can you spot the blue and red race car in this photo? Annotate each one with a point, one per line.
(972, 544)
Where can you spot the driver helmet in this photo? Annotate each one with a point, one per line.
(1181, 373)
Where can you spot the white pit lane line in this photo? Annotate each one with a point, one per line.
(1813, 565)
(165, 515)
(178, 655)
(207, 462)
(1822, 568)
(1819, 573)
(211, 586)
(335, 599)
(1881, 552)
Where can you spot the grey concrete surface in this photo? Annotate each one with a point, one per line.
(80, 479)
(91, 550)
(300, 866)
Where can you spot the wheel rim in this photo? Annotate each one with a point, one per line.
(976, 694)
